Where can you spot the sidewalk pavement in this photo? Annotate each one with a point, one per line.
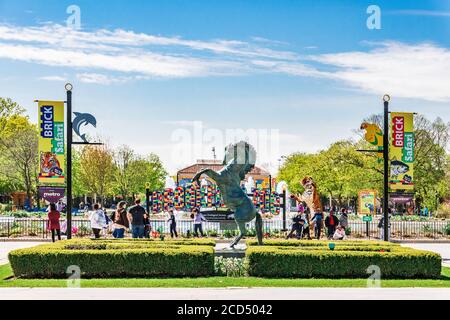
(230, 294)
(6, 247)
(442, 248)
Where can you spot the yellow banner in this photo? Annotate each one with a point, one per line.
(51, 142)
(367, 202)
(402, 151)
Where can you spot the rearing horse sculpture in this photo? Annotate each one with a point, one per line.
(239, 160)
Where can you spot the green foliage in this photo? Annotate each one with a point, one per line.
(321, 262)
(18, 149)
(8, 109)
(432, 163)
(348, 231)
(212, 233)
(340, 171)
(320, 243)
(133, 172)
(230, 233)
(96, 172)
(78, 187)
(5, 208)
(137, 242)
(105, 259)
(104, 172)
(447, 229)
(443, 211)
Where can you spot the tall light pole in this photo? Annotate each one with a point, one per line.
(386, 173)
(70, 143)
(69, 88)
(386, 100)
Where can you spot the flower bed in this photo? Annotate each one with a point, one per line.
(112, 259)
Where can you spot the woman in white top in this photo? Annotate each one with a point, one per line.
(98, 220)
(339, 234)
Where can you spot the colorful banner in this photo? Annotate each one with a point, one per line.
(52, 195)
(367, 200)
(374, 135)
(402, 151)
(51, 142)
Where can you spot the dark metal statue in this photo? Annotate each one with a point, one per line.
(239, 160)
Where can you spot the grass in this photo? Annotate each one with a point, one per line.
(6, 280)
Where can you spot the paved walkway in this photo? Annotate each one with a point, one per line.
(6, 247)
(442, 248)
(231, 294)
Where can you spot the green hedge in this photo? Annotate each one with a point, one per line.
(103, 244)
(394, 262)
(321, 243)
(52, 260)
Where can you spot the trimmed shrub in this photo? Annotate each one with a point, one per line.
(395, 262)
(131, 243)
(103, 260)
(321, 243)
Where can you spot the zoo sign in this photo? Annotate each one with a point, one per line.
(402, 151)
(51, 142)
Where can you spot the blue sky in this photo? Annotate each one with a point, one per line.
(294, 75)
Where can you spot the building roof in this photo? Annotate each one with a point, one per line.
(216, 165)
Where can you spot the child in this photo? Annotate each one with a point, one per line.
(173, 225)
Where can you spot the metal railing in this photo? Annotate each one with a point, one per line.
(37, 228)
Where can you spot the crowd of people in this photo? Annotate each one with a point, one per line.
(135, 219)
(305, 222)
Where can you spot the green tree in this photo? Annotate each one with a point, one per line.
(148, 170)
(124, 158)
(431, 161)
(8, 109)
(97, 171)
(339, 171)
(78, 188)
(134, 172)
(18, 149)
(19, 162)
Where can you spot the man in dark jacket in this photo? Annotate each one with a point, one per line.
(331, 222)
(297, 227)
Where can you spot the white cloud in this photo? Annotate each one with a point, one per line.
(62, 36)
(402, 70)
(148, 63)
(432, 13)
(101, 78)
(129, 52)
(53, 78)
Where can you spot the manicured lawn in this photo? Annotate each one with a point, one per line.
(219, 282)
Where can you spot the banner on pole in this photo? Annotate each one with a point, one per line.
(52, 195)
(367, 200)
(51, 142)
(402, 151)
